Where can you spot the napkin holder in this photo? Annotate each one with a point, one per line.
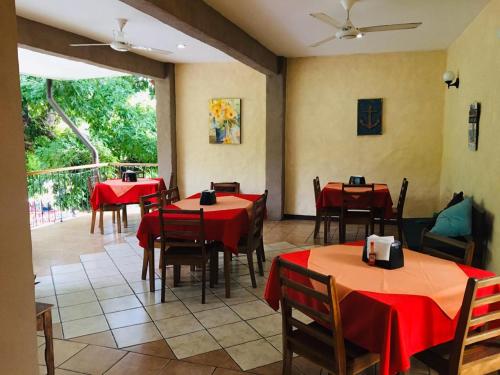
(208, 198)
(129, 176)
(396, 257)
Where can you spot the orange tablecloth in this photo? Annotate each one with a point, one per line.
(115, 191)
(331, 196)
(394, 325)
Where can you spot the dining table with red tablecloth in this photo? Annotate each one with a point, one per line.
(395, 325)
(116, 191)
(331, 197)
(226, 221)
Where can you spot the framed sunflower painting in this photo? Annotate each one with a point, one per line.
(224, 121)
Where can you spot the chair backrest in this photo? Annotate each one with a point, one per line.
(402, 198)
(357, 197)
(170, 196)
(172, 182)
(150, 202)
(138, 171)
(464, 336)
(317, 189)
(182, 228)
(92, 181)
(323, 294)
(256, 227)
(226, 187)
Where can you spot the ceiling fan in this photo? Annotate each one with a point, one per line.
(347, 30)
(119, 42)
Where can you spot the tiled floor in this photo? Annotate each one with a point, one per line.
(106, 321)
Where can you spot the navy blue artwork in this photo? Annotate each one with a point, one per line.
(369, 116)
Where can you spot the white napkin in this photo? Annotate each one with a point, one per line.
(382, 246)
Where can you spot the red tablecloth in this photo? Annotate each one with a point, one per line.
(331, 196)
(394, 325)
(103, 193)
(226, 226)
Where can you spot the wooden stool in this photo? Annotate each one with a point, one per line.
(44, 321)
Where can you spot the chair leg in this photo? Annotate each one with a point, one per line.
(400, 232)
(317, 225)
(192, 268)
(144, 264)
(118, 221)
(382, 226)
(203, 281)
(366, 231)
(250, 266)
(259, 264)
(163, 276)
(125, 216)
(177, 274)
(101, 220)
(212, 269)
(113, 217)
(325, 230)
(287, 362)
(372, 227)
(262, 250)
(92, 222)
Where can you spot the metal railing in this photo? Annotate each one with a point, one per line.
(56, 194)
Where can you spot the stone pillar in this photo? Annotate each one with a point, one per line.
(165, 124)
(18, 353)
(275, 142)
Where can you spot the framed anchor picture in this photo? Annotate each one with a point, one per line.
(369, 116)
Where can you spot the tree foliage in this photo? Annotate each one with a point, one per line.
(114, 112)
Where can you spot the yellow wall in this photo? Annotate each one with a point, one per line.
(476, 55)
(200, 162)
(321, 117)
(17, 314)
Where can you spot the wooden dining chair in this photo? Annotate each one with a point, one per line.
(356, 208)
(397, 213)
(325, 214)
(172, 182)
(171, 195)
(474, 350)
(92, 181)
(326, 347)
(182, 237)
(226, 187)
(149, 203)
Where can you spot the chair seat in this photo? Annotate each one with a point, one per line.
(358, 359)
(488, 352)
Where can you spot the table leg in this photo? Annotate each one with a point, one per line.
(49, 345)
(227, 272)
(151, 260)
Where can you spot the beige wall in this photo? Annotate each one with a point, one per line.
(321, 118)
(476, 56)
(17, 314)
(200, 162)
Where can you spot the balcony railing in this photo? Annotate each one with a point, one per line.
(58, 194)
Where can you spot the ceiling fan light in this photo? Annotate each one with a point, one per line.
(359, 35)
(119, 46)
(181, 46)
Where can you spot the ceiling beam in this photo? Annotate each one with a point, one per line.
(200, 21)
(50, 40)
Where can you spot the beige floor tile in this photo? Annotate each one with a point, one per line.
(138, 364)
(67, 268)
(188, 290)
(217, 317)
(107, 281)
(142, 286)
(73, 276)
(63, 350)
(254, 354)
(98, 256)
(101, 339)
(192, 344)
(253, 309)
(234, 334)
(83, 310)
(148, 298)
(85, 326)
(216, 358)
(166, 310)
(93, 360)
(179, 325)
(276, 341)
(113, 292)
(186, 368)
(120, 303)
(126, 318)
(211, 302)
(134, 335)
(73, 286)
(157, 348)
(237, 296)
(267, 325)
(76, 298)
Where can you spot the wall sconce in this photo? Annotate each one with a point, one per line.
(449, 77)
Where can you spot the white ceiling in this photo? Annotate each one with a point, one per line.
(96, 19)
(47, 66)
(285, 27)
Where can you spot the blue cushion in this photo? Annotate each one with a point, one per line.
(455, 221)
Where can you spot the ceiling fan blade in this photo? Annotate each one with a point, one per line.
(89, 44)
(150, 49)
(327, 19)
(317, 44)
(397, 26)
